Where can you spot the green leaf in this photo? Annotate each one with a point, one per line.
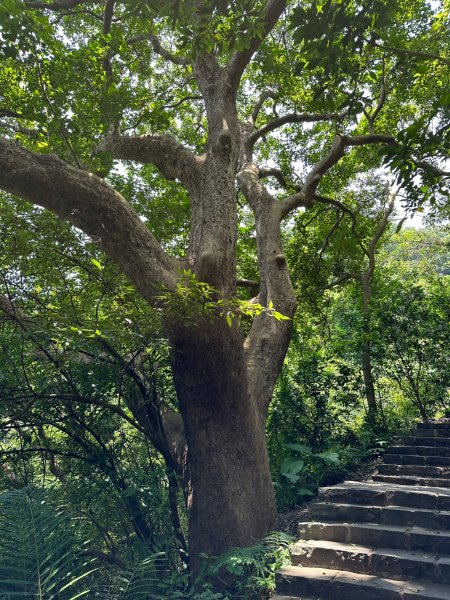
(96, 263)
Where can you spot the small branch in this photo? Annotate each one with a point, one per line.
(61, 5)
(305, 197)
(5, 112)
(291, 118)
(259, 104)
(340, 279)
(107, 22)
(326, 241)
(338, 205)
(185, 99)
(12, 313)
(19, 129)
(111, 558)
(159, 49)
(407, 52)
(378, 233)
(62, 130)
(371, 116)
(44, 450)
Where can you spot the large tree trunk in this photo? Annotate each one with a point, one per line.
(231, 500)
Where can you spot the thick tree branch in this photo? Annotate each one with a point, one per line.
(272, 12)
(249, 283)
(108, 557)
(169, 156)
(91, 204)
(268, 339)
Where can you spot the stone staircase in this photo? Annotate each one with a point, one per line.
(385, 539)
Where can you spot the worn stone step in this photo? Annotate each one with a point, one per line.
(373, 493)
(331, 584)
(432, 432)
(277, 597)
(378, 536)
(416, 470)
(419, 450)
(412, 480)
(427, 441)
(415, 459)
(382, 562)
(434, 425)
(385, 515)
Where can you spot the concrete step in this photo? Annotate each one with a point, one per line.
(381, 562)
(412, 480)
(331, 584)
(373, 493)
(427, 441)
(419, 450)
(416, 470)
(384, 515)
(378, 536)
(415, 459)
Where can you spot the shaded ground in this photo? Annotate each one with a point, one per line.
(288, 521)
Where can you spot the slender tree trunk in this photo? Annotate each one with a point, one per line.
(231, 500)
(367, 351)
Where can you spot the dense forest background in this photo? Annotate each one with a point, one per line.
(343, 115)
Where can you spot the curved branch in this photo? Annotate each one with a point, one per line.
(158, 48)
(91, 204)
(291, 118)
(272, 12)
(305, 196)
(338, 205)
(276, 173)
(169, 156)
(260, 103)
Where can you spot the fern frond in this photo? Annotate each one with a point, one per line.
(37, 557)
